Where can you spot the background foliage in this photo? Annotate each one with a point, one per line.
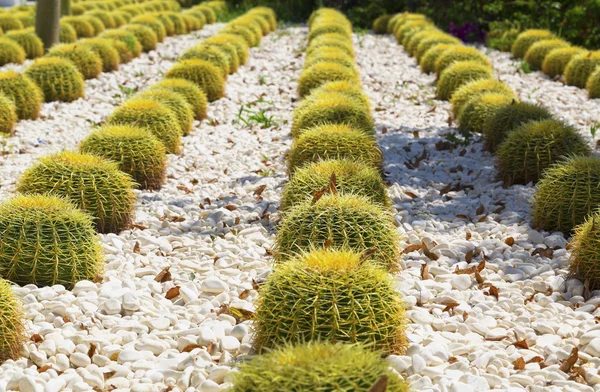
(578, 21)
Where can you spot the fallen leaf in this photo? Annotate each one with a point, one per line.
(237, 220)
(494, 291)
(244, 294)
(37, 338)
(468, 236)
(184, 189)
(241, 314)
(190, 347)
(136, 247)
(333, 184)
(172, 293)
(44, 368)
(462, 216)
(380, 385)
(429, 254)
(463, 152)
(92, 350)
(415, 133)
(258, 192)
(452, 360)
(411, 248)
(479, 210)
(163, 275)
(519, 364)
(520, 343)
(536, 359)
(230, 207)
(450, 306)
(510, 241)
(445, 189)
(570, 361)
(478, 277)
(425, 272)
(140, 227)
(481, 266)
(469, 256)
(411, 195)
(366, 254)
(177, 219)
(318, 195)
(328, 243)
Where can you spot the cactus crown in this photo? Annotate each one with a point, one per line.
(127, 38)
(555, 62)
(145, 36)
(203, 73)
(212, 54)
(538, 51)
(8, 115)
(479, 108)
(12, 328)
(86, 60)
(25, 94)
(324, 72)
(31, 43)
(176, 103)
(459, 74)
(11, 52)
(58, 79)
(528, 38)
(470, 90)
(459, 53)
(194, 96)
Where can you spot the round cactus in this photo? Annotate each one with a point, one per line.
(244, 32)
(176, 103)
(329, 41)
(324, 72)
(349, 89)
(46, 240)
(25, 94)
(127, 38)
(459, 54)
(415, 40)
(166, 22)
(477, 88)
(332, 108)
(96, 23)
(136, 150)
(431, 41)
(58, 79)
(343, 175)
(266, 13)
(178, 22)
(93, 184)
(341, 222)
(538, 51)
(107, 19)
(194, 20)
(581, 67)
(226, 41)
(593, 84)
(9, 22)
(85, 59)
(327, 28)
(194, 96)
(317, 367)
(432, 54)
(567, 194)
(152, 23)
(120, 18)
(152, 115)
(31, 43)
(502, 40)
(12, 328)
(479, 108)
(67, 34)
(330, 56)
(204, 74)
(410, 28)
(146, 37)
(380, 24)
(11, 52)
(584, 252)
(209, 14)
(328, 295)
(8, 115)
(459, 74)
(83, 27)
(105, 50)
(212, 54)
(555, 62)
(528, 38)
(125, 54)
(535, 146)
(508, 118)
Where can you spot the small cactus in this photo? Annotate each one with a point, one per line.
(415, 40)
(210, 53)
(479, 108)
(351, 90)
(528, 38)
(194, 96)
(9, 22)
(67, 34)
(266, 13)
(58, 79)
(204, 74)
(25, 94)
(432, 40)
(380, 24)
(459, 74)
(209, 13)
(192, 22)
(12, 328)
(178, 22)
(145, 36)
(537, 52)
(46, 241)
(87, 61)
(239, 55)
(429, 58)
(329, 56)
(83, 27)
(330, 41)
(152, 23)
(555, 62)
(246, 33)
(581, 67)
(95, 185)
(324, 72)
(11, 52)
(459, 54)
(121, 18)
(477, 88)
(176, 103)
(96, 23)
(31, 43)
(328, 28)
(107, 19)
(584, 263)
(8, 115)
(127, 38)
(593, 84)
(104, 48)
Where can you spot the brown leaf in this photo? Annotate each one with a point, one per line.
(366, 254)
(318, 195)
(494, 291)
(190, 347)
(92, 350)
(207, 200)
(184, 189)
(469, 256)
(37, 338)
(244, 294)
(333, 184)
(519, 364)
(452, 360)
(510, 241)
(258, 192)
(411, 248)
(230, 207)
(570, 361)
(463, 152)
(432, 109)
(425, 272)
(140, 227)
(241, 314)
(237, 220)
(177, 219)
(411, 195)
(479, 210)
(429, 254)
(164, 275)
(415, 133)
(481, 266)
(380, 385)
(172, 293)
(136, 247)
(450, 306)
(445, 189)
(328, 243)
(478, 277)
(462, 216)
(44, 368)
(520, 343)
(536, 359)
(468, 236)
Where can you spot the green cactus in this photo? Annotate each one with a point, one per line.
(380, 25)
(330, 41)
(136, 150)
(415, 40)
(432, 54)
(127, 38)
(432, 40)
(132, 10)
(349, 89)
(329, 56)
(581, 67)
(258, 20)
(501, 39)
(235, 42)
(176, 103)
(107, 19)
(213, 54)
(478, 109)
(105, 50)
(411, 28)
(26, 18)
(538, 51)
(145, 36)
(25, 94)
(125, 54)
(152, 23)
(8, 115)
(508, 118)
(46, 240)
(120, 18)
(77, 9)
(58, 79)
(584, 252)
(96, 23)
(194, 21)
(31, 43)
(593, 84)
(204, 74)
(459, 74)
(324, 72)
(250, 25)
(83, 27)
(95, 185)
(316, 367)
(9, 22)
(477, 88)
(194, 96)
(178, 22)
(11, 52)
(332, 108)
(266, 13)
(166, 22)
(567, 194)
(12, 328)
(343, 175)
(328, 28)
(87, 61)
(459, 54)
(209, 13)
(528, 38)
(555, 62)
(246, 33)
(329, 295)
(67, 34)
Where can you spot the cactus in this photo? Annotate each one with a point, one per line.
(46, 240)
(136, 150)
(324, 72)
(266, 13)
(166, 22)
(593, 84)
(502, 40)
(567, 194)
(194, 96)
(178, 22)
(26, 18)
(67, 34)
(234, 41)
(11, 52)
(85, 59)
(120, 18)
(538, 51)
(9, 22)
(204, 74)
(328, 28)
(329, 56)
(459, 74)
(25, 94)
(479, 108)
(58, 79)
(83, 27)
(250, 25)
(93, 184)
(152, 115)
(194, 20)
(555, 62)
(349, 89)
(242, 31)
(258, 20)
(459, 54)
(584, 252)
(105, 50)
(153, 23)
(415, 40)
(127, 38)
(8, 115)
(477, 88)
(209, 14)
(432, 54)
(410, 28)
(329, 41)
(95, 23)
(213, 54)
(145, 36)
(431, 41)
(107, 19)
(581, 67)
(122, 49)
(528, 38)
(534, 147)
(346, 176)
(332, 108)
(329, 295)
(508, 118)
(31, 43)
(317, 367)
(380, 25)
(176, 103)
(12, 328)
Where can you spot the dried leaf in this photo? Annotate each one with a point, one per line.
(184, 189)
(92, 350)
(380, 385)
(463, 152)
(462, 216)
(520, 343)
(468, 236)
(237, 220)
(177, 219)
(172, 293)
(480, 210)
(536, 359)
(411, 195)
(136, 247)
(452, 360)
(570, 361)
(44, 368)
(230, 207)
(190, 347)
(328, 243)
(140, 227)
(411, 248)
(366, 254)
(519, 364)
(478, 277)
(416, 134)
(425, 272)
(241, 314)
(450, 306)
(318, 195)
(445, 189)
(432, 109)
(469, 256)
(244, 294)
(333, 184)
(510, 241)
(37, 338)
(164, 275)
(481, 266)
(494, 291)
(258, 192)
(430, 255)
